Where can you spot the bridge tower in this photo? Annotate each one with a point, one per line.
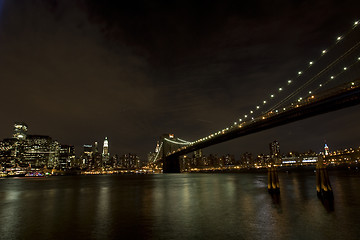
(171, 164)
(165, 152)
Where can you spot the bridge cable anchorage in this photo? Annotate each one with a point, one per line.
(179, 143)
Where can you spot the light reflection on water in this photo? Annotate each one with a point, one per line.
(177, 206)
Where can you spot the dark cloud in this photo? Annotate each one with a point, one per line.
(82, 70)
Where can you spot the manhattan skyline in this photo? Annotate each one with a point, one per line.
(86, 70)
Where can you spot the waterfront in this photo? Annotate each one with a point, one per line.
(177, 206)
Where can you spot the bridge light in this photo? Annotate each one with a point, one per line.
(276, 111)
(227, 128)
(309, 92)
(264, 102)
(235, 123)
(252, 118)
(300, 72)
(257, 107)
(272, 95)
(332, 77)
(284, 109)
(320, 85)
(356, 23)
(324, 51)
(251, 112)
(339, 38)
(280, 89)
(345, 68)
(240, 120)
(312, 96)
(263, 118)
(358, 58)
(245, 115)
(311, 63)
(352, 83)
(289, 81)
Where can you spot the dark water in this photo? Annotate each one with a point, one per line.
(177, 206)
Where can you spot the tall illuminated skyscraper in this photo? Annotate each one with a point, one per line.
(105, 154)
(106, 147)
(20, 131)
(326, 148)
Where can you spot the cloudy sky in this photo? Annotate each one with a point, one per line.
(80, 70)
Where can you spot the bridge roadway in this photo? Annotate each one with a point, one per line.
(334, 100)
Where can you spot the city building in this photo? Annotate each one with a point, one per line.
(105, 153)
(20, 131)
(86, 157)
(39, 151)
(275, 152)
(326, 150)
(66, 157)
(129, 161)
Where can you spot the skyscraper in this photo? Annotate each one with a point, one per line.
(274, 148)
(105, 154)
(326, 148)
(106, 147)
(275, 152)
(20, 131)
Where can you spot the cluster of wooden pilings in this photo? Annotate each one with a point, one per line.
(273, 180)
(323, 186)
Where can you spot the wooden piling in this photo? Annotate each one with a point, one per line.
(273, 180)
(323, 186)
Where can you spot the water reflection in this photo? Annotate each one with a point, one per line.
(177, 206)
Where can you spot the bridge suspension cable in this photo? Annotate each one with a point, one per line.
(311, 80)
(174, 142)
(289, 100)
(183, 141)
(158, 152)
(302, 87)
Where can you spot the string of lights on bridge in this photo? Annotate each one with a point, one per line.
(290, 81)
(274, 110)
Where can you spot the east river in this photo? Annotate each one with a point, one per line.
(178, 206)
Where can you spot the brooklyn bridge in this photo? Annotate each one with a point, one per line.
(328, 83)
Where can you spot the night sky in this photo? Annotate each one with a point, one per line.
(80, 70)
